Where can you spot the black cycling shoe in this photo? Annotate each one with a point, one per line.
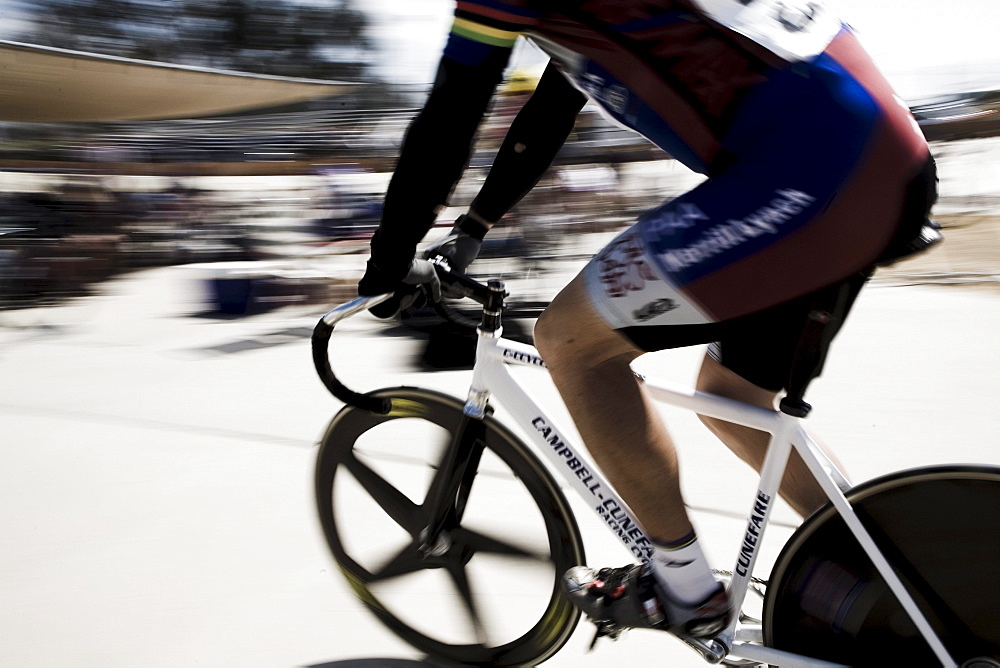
(629, 597)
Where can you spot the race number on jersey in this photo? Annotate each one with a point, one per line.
(792, 29)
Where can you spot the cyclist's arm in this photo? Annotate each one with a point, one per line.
(439, 141)
(536, 135)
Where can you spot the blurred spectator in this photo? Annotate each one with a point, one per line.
(319, 41)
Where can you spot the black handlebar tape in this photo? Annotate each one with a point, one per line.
(321, 344)
(321, 359)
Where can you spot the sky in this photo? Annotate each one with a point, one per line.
(925, 47)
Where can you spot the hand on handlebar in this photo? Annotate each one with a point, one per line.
(422, 273)
(420, 285)
(458, 247)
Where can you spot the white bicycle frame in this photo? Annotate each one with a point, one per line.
(491, 377)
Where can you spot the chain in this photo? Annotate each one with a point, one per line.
(729, 574)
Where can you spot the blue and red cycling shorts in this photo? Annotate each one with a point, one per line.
(821, 163)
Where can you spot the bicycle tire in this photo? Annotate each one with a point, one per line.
(938, 527)
(512, 466)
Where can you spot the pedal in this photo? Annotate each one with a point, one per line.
(605, 629)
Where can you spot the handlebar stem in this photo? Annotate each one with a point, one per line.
(493, 308)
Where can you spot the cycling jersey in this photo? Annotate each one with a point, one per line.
(674, 70)
(810, 153)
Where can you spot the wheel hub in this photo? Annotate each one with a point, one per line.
(440, 546)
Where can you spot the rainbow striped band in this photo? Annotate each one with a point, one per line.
(485, 34)
(493, 22)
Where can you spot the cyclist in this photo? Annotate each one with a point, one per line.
(816, 173)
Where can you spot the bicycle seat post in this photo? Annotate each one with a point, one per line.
(807, 355)
(824, 319)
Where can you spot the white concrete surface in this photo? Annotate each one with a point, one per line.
(156, 475)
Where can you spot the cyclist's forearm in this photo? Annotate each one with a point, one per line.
(434, 154)
(535, 137)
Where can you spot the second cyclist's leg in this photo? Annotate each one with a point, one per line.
(589, 363)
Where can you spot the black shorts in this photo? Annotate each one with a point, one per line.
(761, 347)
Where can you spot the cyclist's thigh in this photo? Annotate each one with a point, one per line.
(647, 282)
(648, 277)
(815, 180)
(656, 310)
(759, 347)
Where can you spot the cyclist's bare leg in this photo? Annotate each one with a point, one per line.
(589, 363)
(799, 488)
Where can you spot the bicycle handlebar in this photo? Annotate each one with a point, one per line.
(456, 283)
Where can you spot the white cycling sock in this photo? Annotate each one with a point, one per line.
(684, 572)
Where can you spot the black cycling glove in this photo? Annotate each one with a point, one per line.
(412, 291)
(461, 245)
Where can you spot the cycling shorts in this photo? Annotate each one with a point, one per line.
(824, 165)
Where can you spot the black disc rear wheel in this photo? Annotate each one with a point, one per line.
(489, 593)
(940, 529)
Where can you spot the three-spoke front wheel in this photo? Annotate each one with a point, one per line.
(487, 589)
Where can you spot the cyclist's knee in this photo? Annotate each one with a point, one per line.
(570, 331)
(545, 332)
(555, 332)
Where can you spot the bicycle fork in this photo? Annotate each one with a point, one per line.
(449, 492)
(452, 485)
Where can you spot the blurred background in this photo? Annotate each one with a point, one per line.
(185, 186)
(250, 142)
